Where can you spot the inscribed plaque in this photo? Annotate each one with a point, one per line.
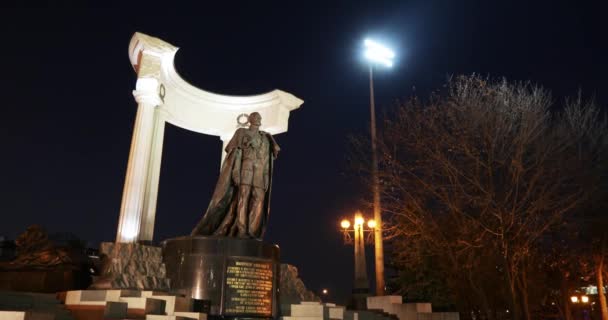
(248, 287)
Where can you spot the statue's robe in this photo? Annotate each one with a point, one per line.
(221, 216)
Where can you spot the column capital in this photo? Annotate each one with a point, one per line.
(148, 98)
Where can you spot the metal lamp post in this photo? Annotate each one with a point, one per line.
(375, 53)
(361, 286)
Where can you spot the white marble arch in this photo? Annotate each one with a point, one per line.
(163, 96)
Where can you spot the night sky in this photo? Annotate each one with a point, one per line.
(68, 111)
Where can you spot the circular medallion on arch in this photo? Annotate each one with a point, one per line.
(240, 121)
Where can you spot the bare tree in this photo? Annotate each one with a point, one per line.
(474, 178)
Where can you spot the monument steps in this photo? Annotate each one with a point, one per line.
(33, 305)
(384, 314)
(132, 304)
(394, 306)
(312, 310)
(380, 308)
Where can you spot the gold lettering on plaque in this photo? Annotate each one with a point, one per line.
(248, 288)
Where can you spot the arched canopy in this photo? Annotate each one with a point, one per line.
(198, 110)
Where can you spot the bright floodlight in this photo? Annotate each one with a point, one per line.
(376, 52)
(585, 299)
(574, 299)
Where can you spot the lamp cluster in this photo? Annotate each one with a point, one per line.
(357, 226)
(359, 221)
(581, 299)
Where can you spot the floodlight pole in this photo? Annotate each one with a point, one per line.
(378, 240)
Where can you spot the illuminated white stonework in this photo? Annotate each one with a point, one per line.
(163, 96)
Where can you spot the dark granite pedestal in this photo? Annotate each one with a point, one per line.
(239, 277)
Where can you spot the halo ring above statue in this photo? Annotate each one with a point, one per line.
(242, 116)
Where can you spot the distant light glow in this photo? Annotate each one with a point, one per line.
(325, 291)
(376, 52)
(585, 299)
(574, 299)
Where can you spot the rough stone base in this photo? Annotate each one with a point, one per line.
(292, 288)
(131, 266)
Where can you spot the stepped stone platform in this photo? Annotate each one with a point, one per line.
(393, 305)
(133, 304)
(32, 306)
(100, 305)
(379, 308)
(312, 310)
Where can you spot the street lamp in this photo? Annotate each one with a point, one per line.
(376, 53)
(580, 305)
(361, 287)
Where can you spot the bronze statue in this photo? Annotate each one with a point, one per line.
(239, 206)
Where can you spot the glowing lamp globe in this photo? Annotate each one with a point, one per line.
(359, 221)
(371, 224)
(345, 224)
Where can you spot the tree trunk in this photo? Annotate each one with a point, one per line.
(600, 281)
(481, 296)
(512, 286)
(523, 287)
(565, 295)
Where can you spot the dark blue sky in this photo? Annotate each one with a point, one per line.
(68, 111)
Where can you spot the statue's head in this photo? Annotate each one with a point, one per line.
(255, 119)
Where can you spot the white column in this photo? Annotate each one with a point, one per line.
(151, 192)
(134, 193)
